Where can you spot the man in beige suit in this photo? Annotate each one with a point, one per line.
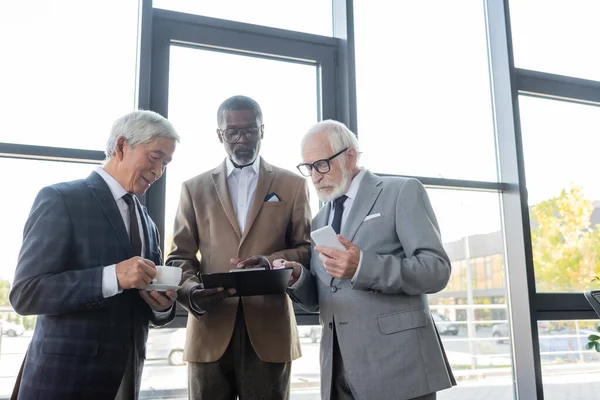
(244, 213)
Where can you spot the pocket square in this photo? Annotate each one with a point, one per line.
(368, 217)
(271, 197)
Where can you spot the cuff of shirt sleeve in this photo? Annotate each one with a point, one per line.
(110, 286)
(299, 280)
(357, 269)
(162, 314)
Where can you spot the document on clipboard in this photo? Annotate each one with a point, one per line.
(251, 282)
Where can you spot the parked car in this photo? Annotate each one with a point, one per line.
(313, 332)
(501, 332)
(166, 344)
(11, 329)
(444, 325)
(565, 344)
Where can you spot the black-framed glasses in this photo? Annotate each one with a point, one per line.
(321, 166)
(233, 135)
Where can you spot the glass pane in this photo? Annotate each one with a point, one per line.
(286, 92)
(557, 37)
(471, 313)
(14, 340)
(561, 143)
(165, 372)
(306, 371)
(569, 371)
(423, 89)
(66, 76)
(31, 177)
(310, 16)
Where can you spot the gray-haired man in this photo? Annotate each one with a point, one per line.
(379, 341)
(89, 251)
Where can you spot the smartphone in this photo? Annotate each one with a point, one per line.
(326, 237)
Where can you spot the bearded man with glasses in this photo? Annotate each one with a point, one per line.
(379, 340)
(245, 213)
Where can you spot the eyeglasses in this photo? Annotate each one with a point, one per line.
(233, 135)
(321, 166)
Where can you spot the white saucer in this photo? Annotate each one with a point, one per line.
(161, 288)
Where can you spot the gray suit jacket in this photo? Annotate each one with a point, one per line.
(386, 335)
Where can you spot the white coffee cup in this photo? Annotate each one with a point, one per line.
(166, 275)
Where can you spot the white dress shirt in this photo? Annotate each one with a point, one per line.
(242, 185)
(110, 286)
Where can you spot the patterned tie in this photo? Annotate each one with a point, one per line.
(134, 231)
(338, 207)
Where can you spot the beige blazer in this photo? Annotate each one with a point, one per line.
(206, 223)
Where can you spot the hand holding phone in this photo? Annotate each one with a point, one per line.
(327, 237)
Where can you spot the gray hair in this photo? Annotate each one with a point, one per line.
(239, 102)
(139, 127)
(340, 137)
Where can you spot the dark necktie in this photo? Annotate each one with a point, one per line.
(134, 230)
(338, 207)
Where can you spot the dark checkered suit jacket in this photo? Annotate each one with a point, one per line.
(81, 341)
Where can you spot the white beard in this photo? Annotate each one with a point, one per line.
(338, 190)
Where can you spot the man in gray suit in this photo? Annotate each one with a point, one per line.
(379, 340)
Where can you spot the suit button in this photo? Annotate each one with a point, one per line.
(334, 289)
(330, 325)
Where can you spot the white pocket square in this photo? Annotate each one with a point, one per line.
(368, 217)
(273, 199)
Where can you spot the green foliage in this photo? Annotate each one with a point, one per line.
(566, 247)
(594, 342)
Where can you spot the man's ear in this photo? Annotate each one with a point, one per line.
(121, 146)
(219, 135)
(353, 156)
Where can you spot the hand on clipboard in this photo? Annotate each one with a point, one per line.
(280, 263)
(254, 262)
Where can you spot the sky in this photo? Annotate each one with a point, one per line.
(422, 85)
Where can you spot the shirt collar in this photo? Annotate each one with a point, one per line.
(231, 167)
(352, 191)
(115, 187)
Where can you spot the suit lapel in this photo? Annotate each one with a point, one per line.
(265, 178)
(107, 202)
(220, 181)
(368, 192)
(321, 218)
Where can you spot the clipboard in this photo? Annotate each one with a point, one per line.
(250, 283)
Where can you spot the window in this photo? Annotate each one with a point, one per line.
(556, 37)
(471, 232)
(286, 92)
(560, 142)
(568, 369)
(423, 89)
(310, 16)
(66, 78)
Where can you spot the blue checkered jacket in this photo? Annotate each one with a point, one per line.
(81, 340)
